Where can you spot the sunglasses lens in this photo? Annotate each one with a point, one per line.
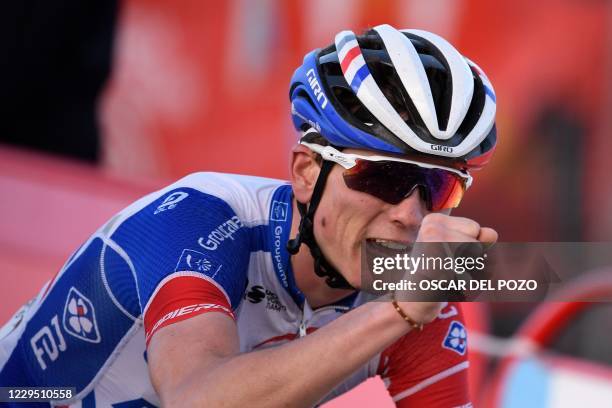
(393, 181)
(446, 189)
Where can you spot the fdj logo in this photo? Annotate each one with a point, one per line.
(171, 201)
(47, 343)
(80, 317)
(456, 338)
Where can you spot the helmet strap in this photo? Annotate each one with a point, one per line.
(305, 234)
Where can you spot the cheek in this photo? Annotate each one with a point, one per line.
(346, 217)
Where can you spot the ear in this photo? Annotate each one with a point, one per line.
(304, 172)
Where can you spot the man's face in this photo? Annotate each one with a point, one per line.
(346, 217)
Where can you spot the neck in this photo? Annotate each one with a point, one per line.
(314, 288)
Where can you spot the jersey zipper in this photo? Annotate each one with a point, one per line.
(302, 327)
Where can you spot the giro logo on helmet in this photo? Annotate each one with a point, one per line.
(441, 148)
(316, 88)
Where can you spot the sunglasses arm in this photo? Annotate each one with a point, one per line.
(330, 154)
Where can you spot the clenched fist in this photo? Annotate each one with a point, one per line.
(437, 227)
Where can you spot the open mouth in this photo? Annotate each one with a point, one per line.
(389, 244)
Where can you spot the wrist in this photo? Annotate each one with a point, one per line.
(418, 313)
(383, 312)
(414, 324)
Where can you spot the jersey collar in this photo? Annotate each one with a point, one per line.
(280, 217)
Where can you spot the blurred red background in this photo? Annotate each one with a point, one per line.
(204, 86)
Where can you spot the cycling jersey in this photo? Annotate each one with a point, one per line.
(208, 243)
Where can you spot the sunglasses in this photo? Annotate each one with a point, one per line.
(392, 179)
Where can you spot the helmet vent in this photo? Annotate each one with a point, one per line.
(438, 75)
(353, 105)
(476, 107)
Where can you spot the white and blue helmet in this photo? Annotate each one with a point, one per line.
(397, 91)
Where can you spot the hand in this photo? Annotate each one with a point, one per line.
(437, 227)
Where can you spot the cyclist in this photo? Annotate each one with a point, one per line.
(202, 294)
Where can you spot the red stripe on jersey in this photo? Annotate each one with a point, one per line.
(288, 336)
(181, 298)
(440, 394)
(349, 57)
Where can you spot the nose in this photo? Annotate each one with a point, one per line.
(409, 213)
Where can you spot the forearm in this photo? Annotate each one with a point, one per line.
(300, 372)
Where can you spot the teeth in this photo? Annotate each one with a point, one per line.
(391, 244)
